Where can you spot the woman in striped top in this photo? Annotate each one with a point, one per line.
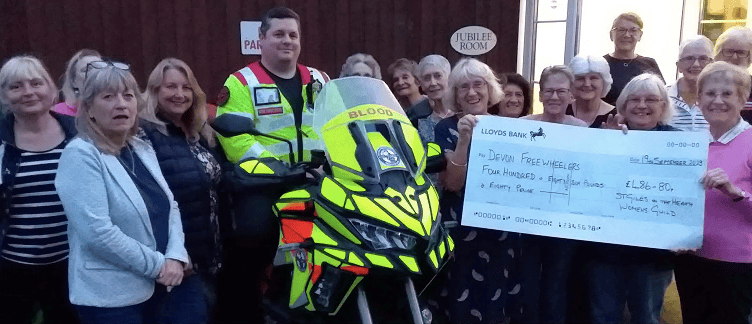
(694, 54)
(34, 249)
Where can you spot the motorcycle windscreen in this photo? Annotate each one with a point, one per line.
(340, 95)
(365, 131)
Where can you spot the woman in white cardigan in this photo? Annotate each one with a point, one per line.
(126, 238)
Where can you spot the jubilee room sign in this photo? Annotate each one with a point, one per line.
(473, 40)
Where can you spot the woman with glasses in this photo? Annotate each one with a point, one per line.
(361, 64)
(547, 261)
(478, 288)
(592, 81)
(623, 62)
(73, 80)
(715, 282)
(556, 95)
(126, 238)
(694, 54)
(635, 276)
(733, 46)
(33, 240)
(175, 126)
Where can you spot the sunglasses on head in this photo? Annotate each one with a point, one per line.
(103, 64)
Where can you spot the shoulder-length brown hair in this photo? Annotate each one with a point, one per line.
(97, 81)
(195, 117)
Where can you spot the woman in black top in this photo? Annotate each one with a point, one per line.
(592, 81)
(624, 63)
(175, 125)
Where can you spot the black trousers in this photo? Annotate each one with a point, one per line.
(22, 286)
(713, 291)
(249, 252)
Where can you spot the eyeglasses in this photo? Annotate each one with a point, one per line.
(647, 100)
(691, 59)
(559, 92)
(727, 52)
(103, 64)
(476, 85)
(623, 31)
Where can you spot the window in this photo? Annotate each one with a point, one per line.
(718, 15)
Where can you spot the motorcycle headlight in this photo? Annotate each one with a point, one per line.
(382, 238)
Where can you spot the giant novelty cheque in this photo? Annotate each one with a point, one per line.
(641, 188)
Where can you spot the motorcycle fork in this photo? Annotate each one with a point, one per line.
(412, 298)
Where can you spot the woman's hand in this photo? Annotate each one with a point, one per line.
(615, 122)
(465, 127)
(171, 274)
(717, 178)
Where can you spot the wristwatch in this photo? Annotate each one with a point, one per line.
(740, 198)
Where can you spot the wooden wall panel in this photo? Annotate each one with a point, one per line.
(206, 34)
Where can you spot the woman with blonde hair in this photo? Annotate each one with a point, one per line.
(476, 292)
(126, 238)
(33, 241)
(175, 125)
(73, 80)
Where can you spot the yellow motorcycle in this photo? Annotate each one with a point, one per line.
(363, 210)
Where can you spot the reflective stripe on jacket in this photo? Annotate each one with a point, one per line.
(253, 92)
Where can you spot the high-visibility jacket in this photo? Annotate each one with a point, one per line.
(252, 91)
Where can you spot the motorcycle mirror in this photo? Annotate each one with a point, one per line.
(234, 124)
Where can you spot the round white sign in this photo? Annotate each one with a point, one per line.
(473, 40)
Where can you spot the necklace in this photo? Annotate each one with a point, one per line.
(132, 169)
(630, 61)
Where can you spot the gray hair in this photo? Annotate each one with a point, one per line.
(584, 64)
(740, 34)
(24, 67)
(651, 83)
(434, 60)
(733, 73)
(366, 59)
(463, 71)
(97, 81)
(556, 69)
(700, 40)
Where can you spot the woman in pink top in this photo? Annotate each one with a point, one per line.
(73, 80)
(715, 282)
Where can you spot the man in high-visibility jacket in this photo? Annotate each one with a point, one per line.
(278, 93)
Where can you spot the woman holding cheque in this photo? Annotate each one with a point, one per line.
(621, 274)
(715, 282)
(126, 238)
(477, 289)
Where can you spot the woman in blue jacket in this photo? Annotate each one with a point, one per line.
(126, 239)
